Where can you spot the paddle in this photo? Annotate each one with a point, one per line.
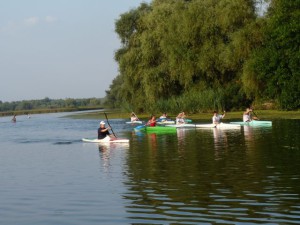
(139, 127)
(110, 126)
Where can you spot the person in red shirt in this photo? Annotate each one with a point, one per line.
(152, 122)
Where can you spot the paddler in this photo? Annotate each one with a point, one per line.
(163, 116)
(216, 119)
(133, 117)
(180, 118)
(152, 121)
(103, 131)
(247, 115)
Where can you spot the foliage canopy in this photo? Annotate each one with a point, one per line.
(202, 55)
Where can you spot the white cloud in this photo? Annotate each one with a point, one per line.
(31, 21)
(50, 19)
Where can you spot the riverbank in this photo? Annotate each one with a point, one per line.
(261, 114)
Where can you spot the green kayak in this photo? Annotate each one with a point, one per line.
(156, 129)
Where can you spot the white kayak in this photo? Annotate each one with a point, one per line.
(135, 122)
(182, 125)
(166, 122)
(254, 123)
(219, 126)
(105, 140)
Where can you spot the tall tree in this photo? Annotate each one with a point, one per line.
(272, 73)
(173, 46)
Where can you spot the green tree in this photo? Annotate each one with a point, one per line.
(174, 47)
(273, 70)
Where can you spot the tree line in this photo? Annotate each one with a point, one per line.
(50, 104)
(199, 55)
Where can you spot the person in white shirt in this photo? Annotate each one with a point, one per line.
(180, 119)
(133, 117)
(163, 116)
(216, 119)
(247, 116)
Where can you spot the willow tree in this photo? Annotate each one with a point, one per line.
(174, 46)
(126, 88)
(272, 73)
(200, 41)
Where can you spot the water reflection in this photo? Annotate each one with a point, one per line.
(248, 133)
(225, 140)
(181, 134)
(106, 152)
(181, 139)
(185, 183)
(220, 138)
(152, 141)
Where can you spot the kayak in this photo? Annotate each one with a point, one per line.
(254, 123)
(219, 126)
(188, 120)
(182, 125)
(135, 122)
(156, 129)
(166, 122)
(105, 140)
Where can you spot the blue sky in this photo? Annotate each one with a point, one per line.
(58, 48)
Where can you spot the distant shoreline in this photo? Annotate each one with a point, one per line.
(42, 111)
(118, 114)
(236, 115)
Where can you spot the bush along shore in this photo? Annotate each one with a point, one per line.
(233, 115)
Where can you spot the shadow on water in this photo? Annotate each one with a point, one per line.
(47, 140)
(66, 142)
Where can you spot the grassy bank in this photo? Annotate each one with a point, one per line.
(262, 115)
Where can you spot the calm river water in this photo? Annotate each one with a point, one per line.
(195, 176)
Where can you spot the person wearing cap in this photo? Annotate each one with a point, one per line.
(103, 131)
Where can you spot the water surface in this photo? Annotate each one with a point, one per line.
(194, 176)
